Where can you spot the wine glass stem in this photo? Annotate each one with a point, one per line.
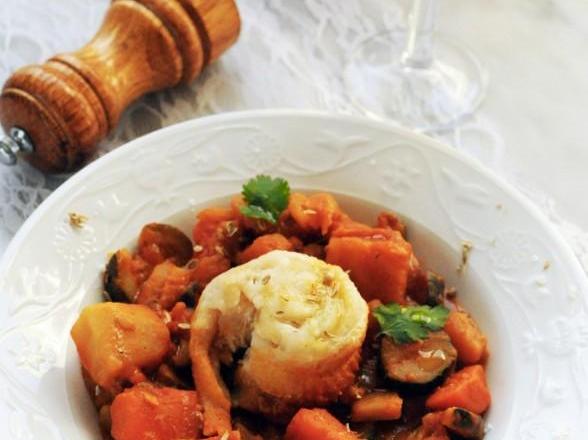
(418, 53)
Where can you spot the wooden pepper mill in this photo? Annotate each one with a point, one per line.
(56, 113)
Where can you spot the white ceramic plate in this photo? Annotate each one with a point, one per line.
(522, 283)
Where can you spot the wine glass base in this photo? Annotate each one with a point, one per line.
(430, 98)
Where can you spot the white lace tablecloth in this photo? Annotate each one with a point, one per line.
(291, 52)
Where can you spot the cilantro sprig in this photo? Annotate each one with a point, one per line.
(406, 324)
(266, 198)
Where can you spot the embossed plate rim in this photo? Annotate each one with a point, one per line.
(75, 186)
(269, 113)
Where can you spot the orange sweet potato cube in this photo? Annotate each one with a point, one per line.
(318, 423)
(165, 286)
(466, 337)
(115, 341)
(467, 388)
(378, 261)
(317, 212)
(147, 412)
(233, 435)
(208, 231)
(264, 244)
(208, 267)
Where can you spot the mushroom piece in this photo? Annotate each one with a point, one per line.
(419, 362)
(159, 242)
(463, 422)
(124, 275)
(426, 287)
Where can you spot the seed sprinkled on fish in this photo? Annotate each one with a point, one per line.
(231, 228)
(327, 335)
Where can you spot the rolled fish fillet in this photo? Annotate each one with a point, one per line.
(302, 321)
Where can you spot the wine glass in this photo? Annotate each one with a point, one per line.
(422, 81)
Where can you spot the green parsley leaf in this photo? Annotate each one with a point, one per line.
(254, 211)
(266, 198)
(410, 324)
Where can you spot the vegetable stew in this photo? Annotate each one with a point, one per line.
(282, 317)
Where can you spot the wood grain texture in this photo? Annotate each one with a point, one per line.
(71, 102)
(180, 24)
(221, 22)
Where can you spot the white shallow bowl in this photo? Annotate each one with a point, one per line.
(522, 283)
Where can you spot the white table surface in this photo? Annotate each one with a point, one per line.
(529, 129)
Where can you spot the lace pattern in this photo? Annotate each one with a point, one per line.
(290, 54)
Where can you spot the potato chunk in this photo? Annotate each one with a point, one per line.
(378, 261)
(377, 407)
(147, 412)
(115, 341)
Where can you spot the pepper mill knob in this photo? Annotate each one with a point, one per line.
(17, 141)
(56, 113)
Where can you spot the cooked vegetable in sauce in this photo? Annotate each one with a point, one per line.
(418, 362)
(282, 317)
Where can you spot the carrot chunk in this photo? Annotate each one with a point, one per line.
(263, 245)
(164, 286)
(210, 232)
(147, 412)
(466, 337)
(208, 267)
(431, 428)
(317, 212)
(314, 424)
(233, 435)
(378, 261)
(377, 406)
(465, 389)
(346, 222)
(391, 221)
